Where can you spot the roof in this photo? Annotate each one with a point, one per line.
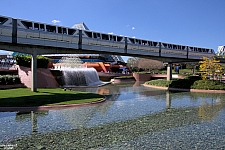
(80, 26)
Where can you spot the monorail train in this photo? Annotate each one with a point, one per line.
(36, 33)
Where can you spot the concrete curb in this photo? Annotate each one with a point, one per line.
(185, 90)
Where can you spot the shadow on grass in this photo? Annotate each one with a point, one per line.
(184, 83)
(48, 99)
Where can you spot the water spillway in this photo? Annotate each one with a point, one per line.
(75, 74)
(81, 77)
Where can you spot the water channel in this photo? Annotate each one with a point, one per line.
(132, 117)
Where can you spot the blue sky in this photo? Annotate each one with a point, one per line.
(198, 23)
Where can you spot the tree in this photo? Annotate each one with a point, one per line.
(210, 67)
(132, 62)
(193, 66)
(150, 64)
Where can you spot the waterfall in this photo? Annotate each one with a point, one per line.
(81, 77)
(75, 74)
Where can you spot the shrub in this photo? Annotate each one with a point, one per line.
(42, 62)
(189, 83)
(208, 85)
(124, 77)
(16, 79)
(9, 79)
(159, 82)
(2, 80)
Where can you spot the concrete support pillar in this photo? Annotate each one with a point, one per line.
(169, 72)
(34, 72)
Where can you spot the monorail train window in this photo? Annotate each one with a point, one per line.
(174, 46)
(89, 34)
(36, 26)
(50, 28)
(42, 27)
(59, 30)
(97, 35)
(170, 46)
(144, 42)
(150, 43)
(137, 41)
(183, 47)
(165, 45)
(119, 38)
(64, 31)
(71, 31)
(105, 36)
(28, 25)
(112, 38)
(155, 44)
(132, 40)
(3, 20)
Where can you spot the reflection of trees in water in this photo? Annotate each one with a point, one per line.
(31, 115)
(194, 96)
(24, 115)
(80, 116)
(207, 111)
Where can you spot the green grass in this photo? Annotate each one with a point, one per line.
(44, 97)
(181, 71)
(124, 77)
(192, 82)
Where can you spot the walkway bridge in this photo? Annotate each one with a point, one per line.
(37, 38)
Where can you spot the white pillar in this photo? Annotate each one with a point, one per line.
(34, 72)
(169, 72)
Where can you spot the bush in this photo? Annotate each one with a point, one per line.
(9, 79)
(16, 79)
(2, 80)
(124, 77)
(23, 60)
(208, 85)
(42, 62)
(189, 83)
(159, 82)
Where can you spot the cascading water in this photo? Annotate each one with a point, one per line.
(76, 75)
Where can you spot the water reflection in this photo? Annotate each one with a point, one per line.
(129, 112)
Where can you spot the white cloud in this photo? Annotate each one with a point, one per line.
(110, 33)
(56, 21)
(133, 28)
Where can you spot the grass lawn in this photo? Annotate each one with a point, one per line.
(44, 97)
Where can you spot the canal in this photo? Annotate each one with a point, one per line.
(132, 117)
